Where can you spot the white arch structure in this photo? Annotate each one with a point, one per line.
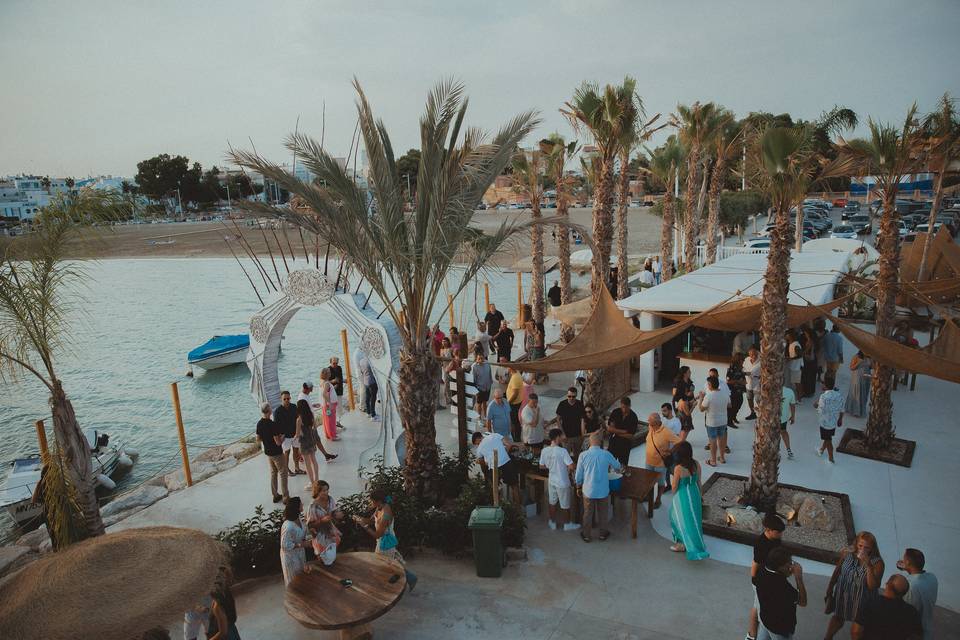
(379, 340)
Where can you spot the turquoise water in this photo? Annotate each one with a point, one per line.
(134, 324)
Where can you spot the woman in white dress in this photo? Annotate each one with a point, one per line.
(293, 544)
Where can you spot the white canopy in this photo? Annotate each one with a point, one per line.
(813, 275)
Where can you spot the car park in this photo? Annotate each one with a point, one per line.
(861, 223)
(845, 232)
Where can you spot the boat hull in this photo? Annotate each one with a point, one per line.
(220, 360)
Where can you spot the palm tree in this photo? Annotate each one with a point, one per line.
(557, 152)
(528, 169)
(409, 256)
(665, 163)
(942, 131)
(725, 146)
(695, 124)
(889, 154)
(34, 325)
(783, 158)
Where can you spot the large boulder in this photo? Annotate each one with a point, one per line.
(240, 450)
(210, 455)
(10, 554)
(35, 538)
(813, 515)
(198, 471)
(745, 519)
(142, 496)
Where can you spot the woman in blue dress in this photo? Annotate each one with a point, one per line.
(686, 509)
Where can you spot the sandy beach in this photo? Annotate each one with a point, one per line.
(206, 239)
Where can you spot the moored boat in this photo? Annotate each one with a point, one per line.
(220, 351)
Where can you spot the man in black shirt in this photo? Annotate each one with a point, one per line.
(269, 435)
(888, 617)
(493, 320)
(554, 294)
(770, 539)
(621, 425)
(778, 599)
(570, 415)
(286, 418)
(504, 341)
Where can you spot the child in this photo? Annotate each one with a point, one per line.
(557, 460)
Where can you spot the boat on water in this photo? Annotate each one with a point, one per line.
(220, 351)
(107, 460)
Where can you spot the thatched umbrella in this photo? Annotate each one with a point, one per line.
(112, 587)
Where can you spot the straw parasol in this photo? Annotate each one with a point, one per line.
(115, 586)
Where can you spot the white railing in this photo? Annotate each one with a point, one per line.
(725, 251)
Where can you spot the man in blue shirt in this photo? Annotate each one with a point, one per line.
(593, 483)
(833, 349)
(498, 415)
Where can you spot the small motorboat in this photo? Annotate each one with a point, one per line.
(107, 461)
(220, 351)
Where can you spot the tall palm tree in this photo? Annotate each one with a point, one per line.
(409, 256)
(557, 152)
(942, 132)
(725, 146)
(35, 323)
(528, 169)
(889, 154)
(695, 125)
(606, 115)
(783, 158)
(665, 163)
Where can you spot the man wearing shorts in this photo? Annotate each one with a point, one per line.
(788, 415)
(483, 381)
(714, 402)
(286, 418)
(751, 372)
(486, 444)
(556, 459)
(830, 407)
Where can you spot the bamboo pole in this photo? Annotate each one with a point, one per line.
(42, 439)
(520, 298)
(486, 297)
(453, 320)
(183, 438)
(346, 359)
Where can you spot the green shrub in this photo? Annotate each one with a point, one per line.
(255, 544)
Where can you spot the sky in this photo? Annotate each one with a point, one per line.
(93, 87)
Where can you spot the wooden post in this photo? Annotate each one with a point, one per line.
(486, 297)
(520, 298)
(183, 438)
(453, 321)
(346, 361)
(462, 413)
(42, 439)
(496, 479)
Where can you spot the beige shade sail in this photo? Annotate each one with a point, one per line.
(941, 273)
(573, 313)
(940, 361)
(112, 587)
(947, 343)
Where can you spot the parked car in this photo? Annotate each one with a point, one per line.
(810, 234)
(923, 228)
(757, 243)
(844, 231)
(840, 202)
(861, 223)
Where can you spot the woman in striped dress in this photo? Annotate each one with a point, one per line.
(855, 579)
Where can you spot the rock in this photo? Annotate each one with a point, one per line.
(210, 455)
(142, 496)
(240, 450)
(745, 519)
(516, 554)
(35, 538)
(812, 514)
(12, 553)
(198, 471)
(796, 501)
(109, 521)
(786, 512)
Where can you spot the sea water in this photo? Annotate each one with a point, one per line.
(131, 325)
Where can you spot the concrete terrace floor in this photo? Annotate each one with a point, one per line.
(624, 588)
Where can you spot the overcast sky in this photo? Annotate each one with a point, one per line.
(94, 87)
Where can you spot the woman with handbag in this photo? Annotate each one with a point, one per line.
(660, 441)
(328, 404)
(380, 527)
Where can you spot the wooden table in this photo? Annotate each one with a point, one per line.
(317, 599)
(637, 486)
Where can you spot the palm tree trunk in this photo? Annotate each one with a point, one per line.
(622, 226)
(937, 197)
(689, 227)
(536, 239)
(73, 446)
(602, 238)
(713, 216)
(666, 236)
(418, 407)
(761, 489)
(563, 252)
(879, 431)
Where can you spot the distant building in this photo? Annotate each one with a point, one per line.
(23, 196)
(908, 184)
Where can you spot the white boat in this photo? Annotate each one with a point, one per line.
(107, 461)
(220, 351)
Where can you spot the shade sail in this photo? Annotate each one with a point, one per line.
(941, 273)
(942, 362)
(573, 313)
(744, 314)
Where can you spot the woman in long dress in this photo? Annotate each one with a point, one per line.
(859, 391)
(321, 515)
(686, 509)
(855, 579)
(328, 405)
(293, 544)
(380, 527)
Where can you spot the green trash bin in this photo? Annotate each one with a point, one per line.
(486, 523)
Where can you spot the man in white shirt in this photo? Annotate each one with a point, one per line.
(922, 595)
(714, 402)
(751, 372)
(489, 442)
(556, 459)
(481, 341)
(657, 269)
(304, 394)
(671, 421)
(794, 364)
(531, 423)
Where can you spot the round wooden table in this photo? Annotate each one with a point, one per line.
(319, 601)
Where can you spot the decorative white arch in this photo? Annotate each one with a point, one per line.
(379, 340)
